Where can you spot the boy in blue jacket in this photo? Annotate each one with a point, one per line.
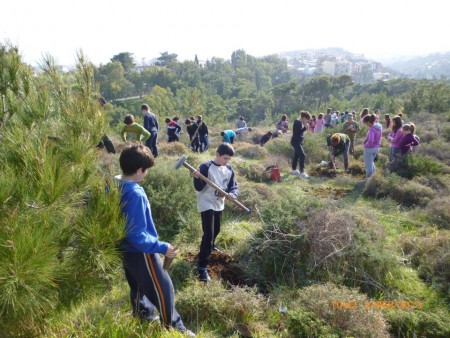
(210, 203)
(141, 246)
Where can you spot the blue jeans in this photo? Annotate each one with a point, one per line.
(151, 143)
(369, 160)
(204, 143)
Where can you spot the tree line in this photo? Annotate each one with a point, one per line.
(258, 88)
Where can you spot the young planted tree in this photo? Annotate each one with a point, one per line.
(58, 228)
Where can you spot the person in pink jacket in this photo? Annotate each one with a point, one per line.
(320, 123)
(372, 143)
(312, 124)
(394, 138)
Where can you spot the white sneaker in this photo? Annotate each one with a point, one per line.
(304, 175)
(295, 172)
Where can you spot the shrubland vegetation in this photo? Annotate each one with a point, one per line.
(306, 246)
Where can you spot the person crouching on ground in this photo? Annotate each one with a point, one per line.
(141, 246)
(228, 136)
(339, 144)
(300, 126)
(210, 203)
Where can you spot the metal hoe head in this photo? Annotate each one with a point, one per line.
(180, 162)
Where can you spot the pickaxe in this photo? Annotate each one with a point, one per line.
(182, 162)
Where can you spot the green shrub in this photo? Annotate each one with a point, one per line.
(322, 302)
(438, 149)
(315, 148)
(428, 254)
(433, 324)
(412, 193)
(377, 186)
(172, 148)
(279, 146)
(172, 197)
(439, 212)
(357, 169)
(415, 165)
(252, 171)
(257, 196)
(223, 310)
(250, 151)
(304, 324)
(322, 245)
(406, 192)
(28, 266)
(446, 132)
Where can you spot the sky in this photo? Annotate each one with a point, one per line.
(381, 29)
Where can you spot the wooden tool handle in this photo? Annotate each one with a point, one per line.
(219, 189)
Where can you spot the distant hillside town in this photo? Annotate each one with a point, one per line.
(335, 62)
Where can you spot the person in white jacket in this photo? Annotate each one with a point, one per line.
(210, 203)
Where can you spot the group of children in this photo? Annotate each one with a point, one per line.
(196, 129)
(402, 139)
(151, 287)
(148, 133)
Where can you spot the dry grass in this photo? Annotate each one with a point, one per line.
(173, 148)
(250, 151)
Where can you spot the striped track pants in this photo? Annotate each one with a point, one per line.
(146, 277)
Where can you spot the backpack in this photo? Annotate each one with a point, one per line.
(274, 171)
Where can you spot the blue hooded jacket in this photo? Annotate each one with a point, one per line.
(140, 231)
